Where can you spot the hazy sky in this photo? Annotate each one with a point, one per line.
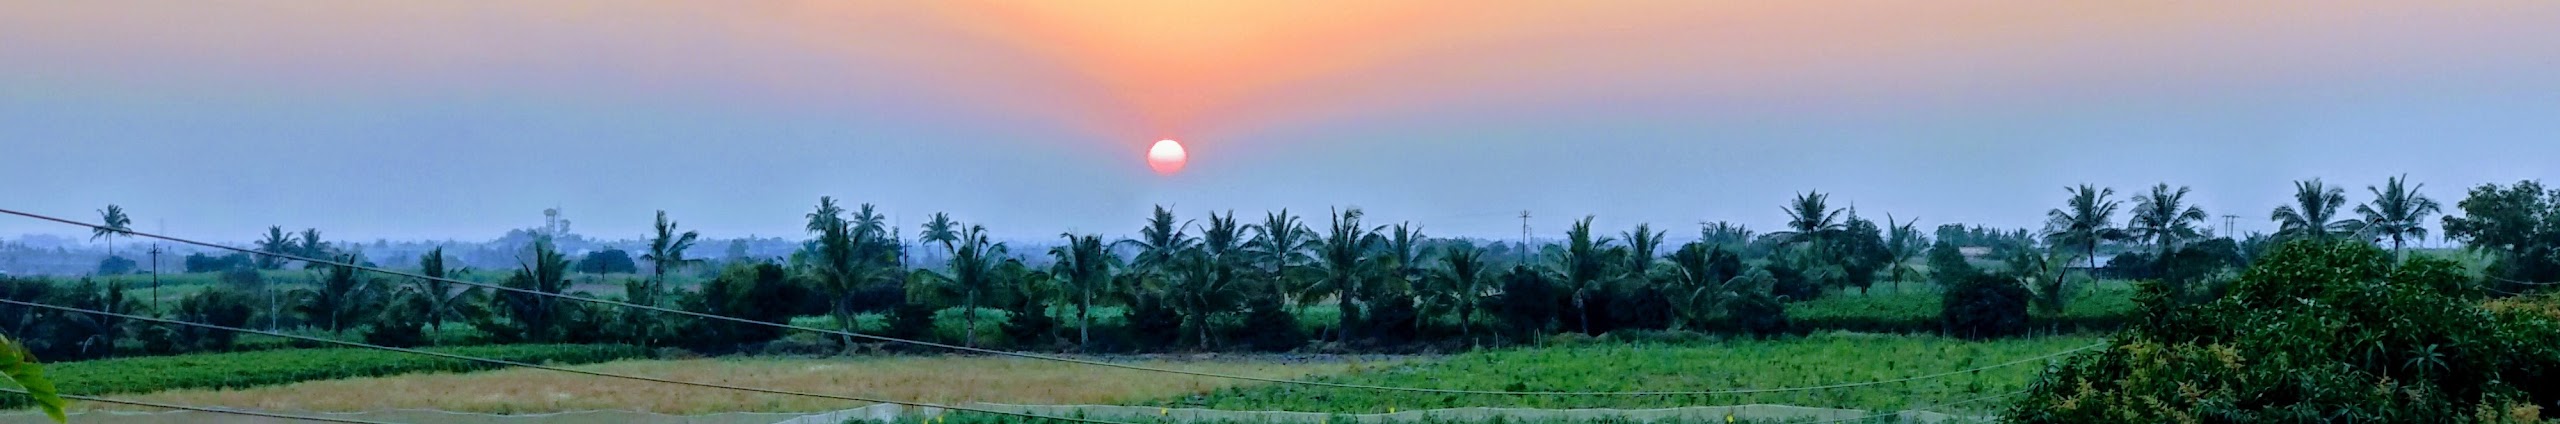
(464, 119)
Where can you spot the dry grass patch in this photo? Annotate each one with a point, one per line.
(946, 379)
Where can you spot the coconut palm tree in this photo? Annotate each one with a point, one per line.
(971, 273)
(341, 298)
(2314, 212)
(1284, 244)
(1085, 265)
(1584, 266)
(1729, 235)
(442, 300)
(1205, 282)
(828, 216)
(869, 224)
(1901, 245)
(1640, 259)
(112, 222)
(275, 243)
(1459, 282)
(1159, 243)
(1344, 252)
(941, 229)
(2085, 220)
(2163, 218)
(841, 260)
(1404, 252)
(2398, 211)
(1809, 218)
(666, 249)
(1700, 271)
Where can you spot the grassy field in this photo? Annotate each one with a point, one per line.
(940, 379)
(1794, 362)
(265, 368)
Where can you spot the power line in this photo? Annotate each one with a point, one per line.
(1035, 356)
(527, 364)
(208, 409)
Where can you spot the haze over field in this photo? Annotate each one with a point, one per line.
(462, 120)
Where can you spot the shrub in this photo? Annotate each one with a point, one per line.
(1269, 327)
(1985, 306)
(223, 307)
(2314, 332)
(265, 368)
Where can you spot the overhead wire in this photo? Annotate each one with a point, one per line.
(1026, 355)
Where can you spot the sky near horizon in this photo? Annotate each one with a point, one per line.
(460, 120)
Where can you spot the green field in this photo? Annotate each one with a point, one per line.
(1816, 360)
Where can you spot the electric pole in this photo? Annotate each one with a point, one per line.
(2226, 226)
(1524, 237)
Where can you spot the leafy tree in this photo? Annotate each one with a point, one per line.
(112, 222)
(2314, 212)
(2086, 219)
(743, 290)
(2163, 218)
(116, 265)
(2398, 211)
(608, 261)
(2519, 223)
(1527, 304)
(1859, 251)
(216, 306)
(1028, 292)
(1585, 268)
(1085, 265)
(1985, 306)
(1344, 252)
(2317, 331)
(971, 275)
(1749, 305)
(1947, 266)
(343, 298)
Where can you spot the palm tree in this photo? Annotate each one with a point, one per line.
(311, 247)
(443, 302)
(1726, 234)
(941, 229)
(1084, 264)
(1809, 218)
(112, 222)
(1639, 256)
(2398, 211)
(2085, 220)
(341, 297)
(1404, 250)
(1460, 280)
(1283, 242)
(841, 260)
(666, 253)
(2313, 212)
(1345, 253)
(1159, 243)
(972, 272)
(1903, 244)
(868, 223)
(275, 243)
(1584, 266)
(2163, 218)
(1205, 281)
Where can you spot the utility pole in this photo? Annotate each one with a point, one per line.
(155, 265)
(1524, 237)
(2226, 226)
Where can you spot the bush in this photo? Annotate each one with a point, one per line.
(2315, 332)
(912, 321)
(115, 265)
(217, 306)
(608, 261)
(1985, 306)
(1269, 327)
(1759, 314)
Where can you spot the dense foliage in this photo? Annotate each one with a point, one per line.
(2324, 331)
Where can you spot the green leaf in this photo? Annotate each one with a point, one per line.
(24, 373)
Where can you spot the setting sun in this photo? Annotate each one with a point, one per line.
(1167, 157)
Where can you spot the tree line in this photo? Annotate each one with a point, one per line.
(1283, 281)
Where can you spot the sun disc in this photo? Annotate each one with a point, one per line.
(1167, 157)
